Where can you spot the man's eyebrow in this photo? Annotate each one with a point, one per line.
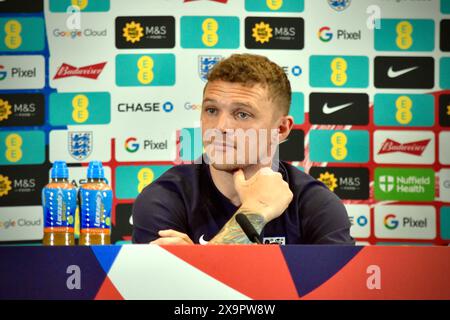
(209, 100)
(244, 104)
(234, 104)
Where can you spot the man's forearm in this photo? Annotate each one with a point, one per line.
(233, 233)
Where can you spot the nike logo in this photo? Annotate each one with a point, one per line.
(394, 74)
(329, 110)
(202, 241)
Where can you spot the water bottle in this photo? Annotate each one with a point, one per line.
(59, 201)
(95, 207)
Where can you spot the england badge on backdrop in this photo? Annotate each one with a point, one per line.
(205, 64)
(80, 144)
(339, 5)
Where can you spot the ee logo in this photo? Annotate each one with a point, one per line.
(210, 36)
(403, 105)
(404, 30)
(338, 142)
(145, 177)
(13, 28)
(338, 71)
(80, 111)
(145, 65)
(13, 151)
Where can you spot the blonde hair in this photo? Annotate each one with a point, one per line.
(251, 69)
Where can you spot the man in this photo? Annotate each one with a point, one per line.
(197, 203)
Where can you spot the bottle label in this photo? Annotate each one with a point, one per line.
(59, 209)
(95, 210)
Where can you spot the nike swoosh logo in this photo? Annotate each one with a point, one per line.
(202, 241)
(395, 74)
(329, 110)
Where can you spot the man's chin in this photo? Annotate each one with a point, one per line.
(228, 167)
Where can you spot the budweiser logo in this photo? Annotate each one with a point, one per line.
(415, 148)
(90, 72)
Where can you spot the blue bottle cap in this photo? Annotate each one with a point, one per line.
(59, 170)
(95, 170)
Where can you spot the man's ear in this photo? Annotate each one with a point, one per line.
(284, 127)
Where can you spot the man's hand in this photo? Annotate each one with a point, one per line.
(172, 237)
(266, 193)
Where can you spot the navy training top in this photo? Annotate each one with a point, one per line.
(186, 199)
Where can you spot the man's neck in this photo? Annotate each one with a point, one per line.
(225, 184)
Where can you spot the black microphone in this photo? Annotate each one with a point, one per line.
(248, 228)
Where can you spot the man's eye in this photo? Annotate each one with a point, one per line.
(211, 110)
(243, 115)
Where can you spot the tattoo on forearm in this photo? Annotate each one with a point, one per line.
(232, 232)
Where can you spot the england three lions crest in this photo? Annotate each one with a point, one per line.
(339, 5)
(80, 144)
(205, 64)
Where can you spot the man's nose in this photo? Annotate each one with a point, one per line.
(225, 123)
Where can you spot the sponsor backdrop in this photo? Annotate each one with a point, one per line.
(122, 81)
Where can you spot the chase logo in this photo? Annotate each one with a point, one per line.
(131, 180)
(22, 147)
(390, 221)
(209, 32)
(275, 5)
(444, 73)
(405, 35)
(339, 71)
(80, 144)
(80, 108)
(274, 33)
(339, 146)
(21, 34)
(205, 64)
(145, 70)
(325, 34)
(83, 5)
(360, 221)
(404, 110)
(23, 109)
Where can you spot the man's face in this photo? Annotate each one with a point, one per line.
(239, 125)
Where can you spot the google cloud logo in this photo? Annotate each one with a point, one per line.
(390, 222)
(325, 34)
(131, 145)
